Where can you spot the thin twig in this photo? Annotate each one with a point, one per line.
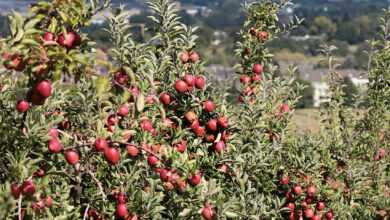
(20, 207)
(86, 213)
(99, 184)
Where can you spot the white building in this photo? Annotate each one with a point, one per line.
(320, 94)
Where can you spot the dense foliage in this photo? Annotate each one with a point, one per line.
(144, 135)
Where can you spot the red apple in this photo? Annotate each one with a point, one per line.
(28, 188)
(194, 57)
(329, 215)
(195, 179)
(123, 110)
(189, 79)
(72, 157)
(43, 89)
(212, 125)
(22, 106)
(223, 122)
(262, 35)
(245, 79)
(311, 190)
(132, 150)
(291, 206)
(219, 146)
(165, 98)
(181, 146)
(48, 201)
(121, 211)
(190, 116)
(112, 155)
(153, 160)
(257, 68)
(285, 180)
(49, 37)
(184, 57)
(15, 190)
(297, 190)
(208, 212)
(121, 198)
(208, 106)
(146, 125)
(320, 206)
(181, 86)
(200, 82)
(55, 146)
(122, 78)
(309, 213)
(101, 144)
(69, 40)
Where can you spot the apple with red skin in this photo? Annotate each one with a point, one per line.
(181, 86)
(291, 206)
(223, 122)
(184, 57)
(262, 35)
(146, 125)
(285, 180)
(112, 155)
(297, 190)
(311, 190)
(69, 39)
(28, 188)
(224, 168)
(53, 132)
(208, 106)
(101, 144)
(256, 77)
(253, 31)
(212, 125)
(257, 68)
(55, 146)
(200, 82)
(48, 201)
(112, 120)
(329, 215)
(49, 37)
(309, 213)
(219, 146)
(123, 110)
(320, 206)
(153, 160)
(121, 211)
(44, 89)
(381, 153)
(121, 198)
(245, 79)
(165, 98)
(190, 80)
(190, 116)
(194, 57)
(22, 106)
(132, 150)
(122, 78)
(208, 212)
(72, 157)
(15, 190)
(165, 175)
(181, 147)
(195, 179)
(199, 131)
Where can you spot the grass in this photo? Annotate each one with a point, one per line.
(307, 120)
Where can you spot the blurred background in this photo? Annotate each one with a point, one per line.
(347, 24)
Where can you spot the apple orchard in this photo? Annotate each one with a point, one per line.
(154, 139)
